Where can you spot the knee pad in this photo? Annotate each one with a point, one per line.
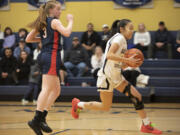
(137, 103)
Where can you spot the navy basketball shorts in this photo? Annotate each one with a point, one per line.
(50, 63)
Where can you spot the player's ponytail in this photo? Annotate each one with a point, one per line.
(40, 22)
(115, 28)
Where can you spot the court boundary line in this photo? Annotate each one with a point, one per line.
(65, 130)
(110, 129)
(113, 130)
(123, 107)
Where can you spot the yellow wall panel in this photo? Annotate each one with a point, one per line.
(98, 13)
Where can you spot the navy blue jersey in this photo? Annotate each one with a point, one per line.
(50, 38)
(50, 58)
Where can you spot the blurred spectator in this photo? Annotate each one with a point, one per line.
(23, 68)
(163, 39)
(142, 39)
(7, 68)
(178, 44)
(22, 47)
(37, 51)
(76, 59)
(22, 33)
(142, 80)
(97, 61)
(90, 39)
(9, 38)
(1, 39)
(63, 75)
(63, 71)
(34, 79)
(104, 36)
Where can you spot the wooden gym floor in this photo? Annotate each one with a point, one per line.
(121, 120)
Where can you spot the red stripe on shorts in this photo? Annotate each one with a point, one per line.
(52, 70)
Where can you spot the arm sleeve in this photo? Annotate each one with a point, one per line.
(0, 67)
(169, 38)
(25, 70)
(83, 38)
(117, 40)
(97, 38)
(66, 56)
(178, 35)
(28, 50)
(135, 38)
(15, 53)
(93, 62)
(86, 56)
(156, 37)
(148, 41)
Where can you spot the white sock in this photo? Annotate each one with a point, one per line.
(81, 104)
(146, 121)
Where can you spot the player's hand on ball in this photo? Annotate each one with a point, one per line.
(134, 57)
(132, 61)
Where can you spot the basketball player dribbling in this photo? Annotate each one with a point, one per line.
(50, 29)
(110, 77)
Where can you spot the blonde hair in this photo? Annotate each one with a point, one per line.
(143, 26)
(40, 22)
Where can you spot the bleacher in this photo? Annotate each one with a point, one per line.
(165, 79)
(164, 83)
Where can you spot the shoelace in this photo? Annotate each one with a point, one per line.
(152, 125)
(78, 110)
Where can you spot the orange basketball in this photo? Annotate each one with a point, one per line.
(139, 55)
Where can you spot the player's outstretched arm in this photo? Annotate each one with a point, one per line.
(65, 31)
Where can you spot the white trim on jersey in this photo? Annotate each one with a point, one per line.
(109, 76)
(108, 45)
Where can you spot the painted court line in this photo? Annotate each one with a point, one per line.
(171, 108)
(65, 130)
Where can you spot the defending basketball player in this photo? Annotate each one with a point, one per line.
(110, 77)
(50, 29)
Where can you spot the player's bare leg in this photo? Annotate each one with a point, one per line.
(104, 105)
(136, 98)
(39, 122)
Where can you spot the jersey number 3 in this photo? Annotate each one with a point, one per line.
(45, 33)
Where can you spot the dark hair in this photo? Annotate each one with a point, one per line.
(7, 28)
(23, 51)
(28, 58)
(94, 50)
(161, 23)
(23, 29)
(4, 51)
(117, 24)
(7, 49)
